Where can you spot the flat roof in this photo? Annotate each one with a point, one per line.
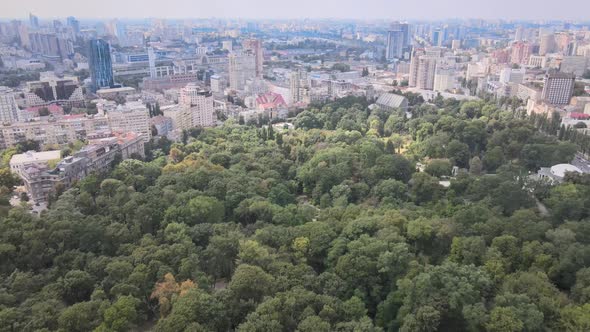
(32, 156)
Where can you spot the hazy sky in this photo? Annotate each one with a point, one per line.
(357, 9)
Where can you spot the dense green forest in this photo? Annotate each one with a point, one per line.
(325, 227)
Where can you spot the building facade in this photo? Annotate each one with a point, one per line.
(196, 107)
(9, 111)
(558, 88)
(100, 64)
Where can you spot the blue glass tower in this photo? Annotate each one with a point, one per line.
(101, 67)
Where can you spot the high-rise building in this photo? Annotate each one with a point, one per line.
(51, 45)
(100, 64)
(33, 21)
(73, 23)
(9, 111)
(196, 107)
(298, 86)
(422, 70)
(242, 67)
(437, 37)
(152, 62)
(519, 33)
(546, 44)
(254, 46)
(558, 88)
(395, 44)
(521, 51)
(23, 34)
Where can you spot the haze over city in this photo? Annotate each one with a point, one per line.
(273, 9)
(294, 166)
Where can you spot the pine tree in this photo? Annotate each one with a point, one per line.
(561, 132)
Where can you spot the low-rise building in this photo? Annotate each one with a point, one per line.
(41, 180)
(20, 161)
(391, 101)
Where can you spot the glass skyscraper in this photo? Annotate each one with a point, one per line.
(101, 67)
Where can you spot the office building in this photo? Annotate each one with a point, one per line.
(254, 46)
(50, 89)
(9, 111)
(33, 21)
(100, 64)
(395, 44)
(242, 67)
(558, 88)
(74, 24)
(196, 106)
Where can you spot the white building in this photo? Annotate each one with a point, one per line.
(9, 111)
(242, 67)
(196, 105)
(444, 79)
(131, 117)
(511, 75)
(19, 162)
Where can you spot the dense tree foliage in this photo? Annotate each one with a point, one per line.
(327, 227)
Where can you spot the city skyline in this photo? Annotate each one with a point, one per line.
(267, 9)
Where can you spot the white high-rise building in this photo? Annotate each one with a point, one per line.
(9, 111)
(254, 46)
(196, 107)
(152, 62)
(422, 70)
(299, 86)
(242, 67)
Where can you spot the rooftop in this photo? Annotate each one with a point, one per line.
(391, 100)
(32, 157)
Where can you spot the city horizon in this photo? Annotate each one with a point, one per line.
(428, 10)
